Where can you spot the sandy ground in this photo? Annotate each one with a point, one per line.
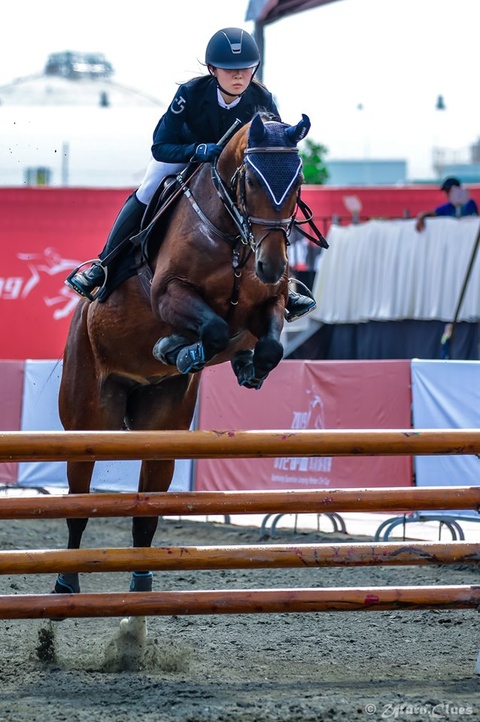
(408, 666)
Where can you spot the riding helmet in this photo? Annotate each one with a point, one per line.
(231, 49)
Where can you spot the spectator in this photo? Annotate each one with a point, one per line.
(458, 205)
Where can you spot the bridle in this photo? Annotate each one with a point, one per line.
(234, 200)
(233, 196)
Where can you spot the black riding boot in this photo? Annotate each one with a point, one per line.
(298, 305)
(126, 225)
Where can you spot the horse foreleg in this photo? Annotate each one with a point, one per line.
(267, 355)
(251, 367)
(186, 311)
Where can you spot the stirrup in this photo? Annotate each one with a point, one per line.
(69, 281)
(307, 308)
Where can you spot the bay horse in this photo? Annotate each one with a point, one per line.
(217, 291)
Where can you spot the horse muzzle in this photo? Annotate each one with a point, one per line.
(271, 256)
(269, 272)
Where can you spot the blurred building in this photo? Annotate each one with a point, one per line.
(366, 172)
(74, 125)
(463, 163)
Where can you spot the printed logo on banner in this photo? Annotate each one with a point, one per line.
(305, 470)
(46, 273)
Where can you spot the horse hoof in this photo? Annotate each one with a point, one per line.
(167, 349)
(250, 381)
(244, 370)
(191, 358)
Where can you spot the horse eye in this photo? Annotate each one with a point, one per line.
(250, 181)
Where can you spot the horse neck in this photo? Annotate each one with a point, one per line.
(205, 193)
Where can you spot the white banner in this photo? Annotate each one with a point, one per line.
(446, 395)
(40, 413)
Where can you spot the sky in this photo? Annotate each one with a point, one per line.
(367, 72)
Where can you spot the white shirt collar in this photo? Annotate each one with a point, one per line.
(223, 104)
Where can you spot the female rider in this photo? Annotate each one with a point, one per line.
(202, 110)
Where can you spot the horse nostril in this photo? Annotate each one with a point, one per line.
(268, 273)
(263, 272)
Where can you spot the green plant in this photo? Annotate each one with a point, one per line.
(314, 169)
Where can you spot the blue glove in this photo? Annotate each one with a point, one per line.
(206, 152)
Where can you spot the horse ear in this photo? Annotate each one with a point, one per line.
(297, 132)
(257, 130)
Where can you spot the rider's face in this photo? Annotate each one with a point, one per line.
(234, 81)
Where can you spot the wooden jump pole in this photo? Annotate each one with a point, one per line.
(245, 601)
(116, 445)
(205, 503)
(237, 557)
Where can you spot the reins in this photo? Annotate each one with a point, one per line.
(318, 238)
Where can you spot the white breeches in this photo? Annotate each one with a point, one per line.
(156, 171)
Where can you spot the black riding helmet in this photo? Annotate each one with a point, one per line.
(232, 48)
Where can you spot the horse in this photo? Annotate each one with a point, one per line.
(216, 291)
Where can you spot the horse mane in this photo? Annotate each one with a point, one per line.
(267, 116)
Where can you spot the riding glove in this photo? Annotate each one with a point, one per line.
(206, 152)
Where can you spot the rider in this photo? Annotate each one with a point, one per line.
(202, 110)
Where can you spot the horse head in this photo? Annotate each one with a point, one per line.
(266, 178)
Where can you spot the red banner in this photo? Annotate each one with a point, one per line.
(44, 234)
(308, 395)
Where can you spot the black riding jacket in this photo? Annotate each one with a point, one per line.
(194, 117)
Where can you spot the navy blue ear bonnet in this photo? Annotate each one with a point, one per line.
(277, 170)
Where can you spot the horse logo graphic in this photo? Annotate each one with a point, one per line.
(49, 263)
(305, 470)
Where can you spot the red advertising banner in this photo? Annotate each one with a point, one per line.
(308, 395)
(11, 393)
(44, 234)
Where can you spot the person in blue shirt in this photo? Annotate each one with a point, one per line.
(202, 110)
(458, 205)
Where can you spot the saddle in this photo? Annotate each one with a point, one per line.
(132, 255)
